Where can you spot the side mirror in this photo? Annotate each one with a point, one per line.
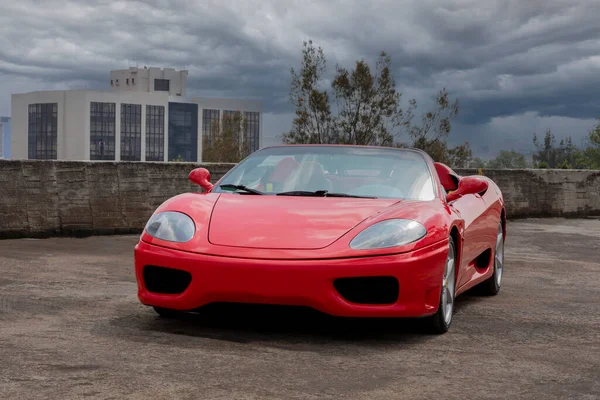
(201, 176)
(468, 185)
(448, 178)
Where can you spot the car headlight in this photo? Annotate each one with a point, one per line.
(389, 233)
(171, 226)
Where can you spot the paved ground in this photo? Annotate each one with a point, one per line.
(71, 327)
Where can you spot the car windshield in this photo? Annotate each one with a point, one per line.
(335, 170)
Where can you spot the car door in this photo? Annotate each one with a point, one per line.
(470, 208)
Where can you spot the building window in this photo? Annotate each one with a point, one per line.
(210, 122)
(161, 85)
(252, 134)
(42, 131)
(183, 132)
(131, 132)
(229, 114)
(102, 131)
(155, 133)
(127, 81)
(133, 81)
(228, 119)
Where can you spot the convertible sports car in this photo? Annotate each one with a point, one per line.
(351, 231)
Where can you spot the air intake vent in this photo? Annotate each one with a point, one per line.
(166, 280)
(368, 290)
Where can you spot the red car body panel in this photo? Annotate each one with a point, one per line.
(315, 223)
(200, 207)
(289, 250)
(297, 282)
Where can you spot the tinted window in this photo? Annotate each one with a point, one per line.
(161, 85)
(210, 124)
(131, 132)
(102, 131)
(155, 133)
(42, 131)
(183, 132)
(252, 129)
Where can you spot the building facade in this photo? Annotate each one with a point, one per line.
(149, 80)
(121, 125)
(5, 137)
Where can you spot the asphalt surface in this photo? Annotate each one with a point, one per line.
(71, 327)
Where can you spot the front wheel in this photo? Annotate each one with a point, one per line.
(440, 322)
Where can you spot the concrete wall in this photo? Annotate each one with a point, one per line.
(546, 192)
(142, 79)
(52, 198)
(43, 198)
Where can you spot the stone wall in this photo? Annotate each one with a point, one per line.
(53, 198)
(546, 192)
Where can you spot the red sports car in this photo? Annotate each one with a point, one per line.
(352, 231)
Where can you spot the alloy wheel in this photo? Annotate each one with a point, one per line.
(499, 256)
(448, 285)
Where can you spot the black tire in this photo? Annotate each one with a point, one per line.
(436, 324)
(166, 313)
(491, 286)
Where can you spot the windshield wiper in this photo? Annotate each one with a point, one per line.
(321, 193)
(241, 187)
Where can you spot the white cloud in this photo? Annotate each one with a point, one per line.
(501, 58)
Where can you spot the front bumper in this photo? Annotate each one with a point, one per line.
(296, 282)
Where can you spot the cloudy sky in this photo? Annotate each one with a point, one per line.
(517, 67)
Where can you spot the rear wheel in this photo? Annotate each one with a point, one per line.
(440, 322)
(491, 286)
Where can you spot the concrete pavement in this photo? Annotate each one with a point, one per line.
(71, 327)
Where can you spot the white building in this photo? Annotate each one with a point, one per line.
(4, 137)
(149, 80)
(121, 125)
(1, 140)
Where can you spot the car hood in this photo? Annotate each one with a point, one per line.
(287, 222)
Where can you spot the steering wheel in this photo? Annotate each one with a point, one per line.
(377, 190)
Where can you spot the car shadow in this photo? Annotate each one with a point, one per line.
(245, 323)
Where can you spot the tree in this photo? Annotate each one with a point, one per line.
(477, 162)
(225, 143)
(435, 125)
(432, 133)
(368, 110)
(368, 104)
(564, 156)
(589, 158)
(567, 152)
(508, 160)
(313, 122)
(546, 154)
(459, 156)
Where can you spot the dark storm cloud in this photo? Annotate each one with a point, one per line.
(499, 57)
